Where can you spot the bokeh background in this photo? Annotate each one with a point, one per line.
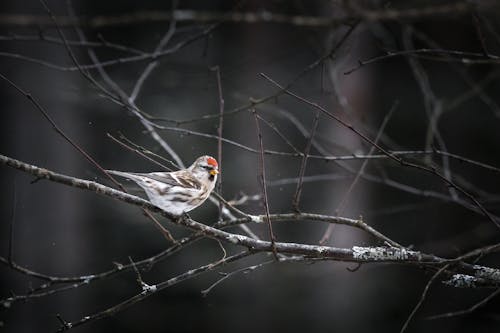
(64, 231)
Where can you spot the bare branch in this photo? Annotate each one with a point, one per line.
(226, 276)
(341, 207)
(463, 57)
(41, 36)
(355, 254)
(262, 175)
(153, 289)
(216, 69)
(12, 220)
(422, 298)
(302, 170)
(117, 61)
(151, 66)
(395, 158)
(466, 311)
(188, 15)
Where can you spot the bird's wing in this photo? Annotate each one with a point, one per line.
(178, 178)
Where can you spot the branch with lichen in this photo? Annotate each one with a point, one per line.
(483, 276)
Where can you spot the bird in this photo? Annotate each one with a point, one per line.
(177, 192)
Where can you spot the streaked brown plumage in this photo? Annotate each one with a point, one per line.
(179, 191)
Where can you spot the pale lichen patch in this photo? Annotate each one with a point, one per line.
(382, 253)
(256, 219)
(236, 239)
(322, 249)
(487, 273)
(148, 288)
(462, 281)
(233, 239)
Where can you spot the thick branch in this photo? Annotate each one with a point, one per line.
(484, 276)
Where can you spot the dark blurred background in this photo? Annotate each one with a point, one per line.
(63, 231)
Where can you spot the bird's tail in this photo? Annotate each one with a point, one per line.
(127, 175)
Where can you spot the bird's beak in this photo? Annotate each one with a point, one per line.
(213, 172)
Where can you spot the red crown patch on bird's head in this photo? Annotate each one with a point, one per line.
(211, 161)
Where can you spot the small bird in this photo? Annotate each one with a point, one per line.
(178, 192)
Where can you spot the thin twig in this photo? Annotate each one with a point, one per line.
(477, 87)
(341, 207)
(422, 297)
(166, 233)
(281, 135)
(78, 281)
(123, 99)
(225, 276)
(117, 61)
(137, 273)
(144, 286)
(304, 71)
(388, 182)
(138, 152)
(216, 69)
(262, 175)
(395, 158)
(12, 219)
(72, 56)
(151, 66)
(172, 166)
(64, 323)
(44, 292)
(460, 56)
(41, 36)
(350, 157)
(466, 311)
(480, 34)
(302, 170)
(56, 128)
(153, 289)
(433, 107)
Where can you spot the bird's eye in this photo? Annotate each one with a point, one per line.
(206, 167)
